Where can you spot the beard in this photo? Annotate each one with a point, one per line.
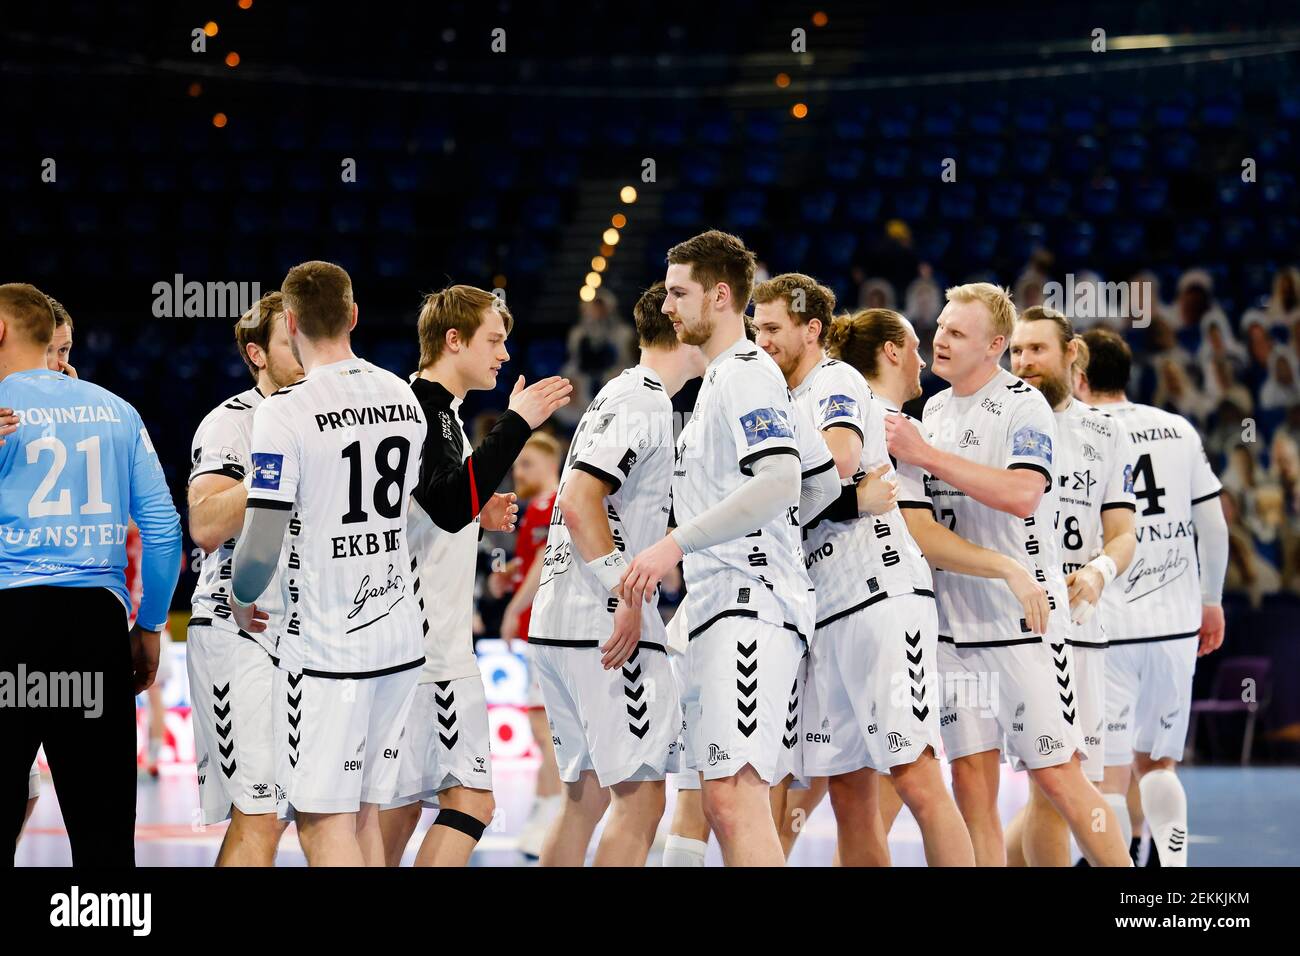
(701, 331)
(282, 375)
(1055, 388)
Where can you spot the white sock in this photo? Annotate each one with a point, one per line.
(155, 747)
(1165, 804)
(679, 851)
(1119, 803)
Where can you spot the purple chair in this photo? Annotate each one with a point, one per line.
(1235, 674)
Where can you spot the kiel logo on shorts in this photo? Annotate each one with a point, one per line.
(897, 742)
(717, 755)
(1047, 744)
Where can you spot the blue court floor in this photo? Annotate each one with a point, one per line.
(1238, 817)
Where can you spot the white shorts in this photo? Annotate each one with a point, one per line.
(791, 762)
(231, 711)
(338, 741)
(683, 777)
(1018, 697)
(1090, 679)
(34, 781)
(621, 724)
(1148, 698)
(534, 700)
(446, 743)
(736, 679)
(875, 700)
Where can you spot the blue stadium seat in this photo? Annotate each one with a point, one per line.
(702, 169)
(561, 170)
(714, 130)
(941, 121)
(82, 218)
(141, 218)
(250, 218)
(1025, 239)
(541, 213)
(1101, 197)
(403, 174)
(789, 253)
(1129, 153)
(387, 134)
(1052, 199)
(1178, 152)
(891, 161)
(1235, 235)
(256, 175)
(932, 242)
(1277, 187)
(1221, 112)
(430, 135)
(849, 128)
(306, 177)
(911, 202)
(745, 208)
(480, 213)
(1079, 117)
(863, 206)
(1082, 156)
(1077, 242)
(837, 248)
(844, 165)
(1127, 239)
(397, 216)
(207, 175)
(156, 177)
(574, 136)
(1032, 116)
(1032, 156)
(500, 170)
(990, 118)
(762, 127)
(1005, 199)
(761, 168)
(391, 259)
(1173, 113)
(981, 242)
(300, 215)
(197, 217)
(683, 209)
(983, 159)
(956, 201)
(817, 207)
(527, 256)
(1126, 114)
(347, 216)
(897, 123)
(1190, 236)
(1149, 195)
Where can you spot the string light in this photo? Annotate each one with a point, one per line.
(619, 221)
(598, 263)
(627, 194)
(219, 121)
(611, 237)
(211, 28)
(586, 293)
(232, 59)
(799, 110)
(783, 80)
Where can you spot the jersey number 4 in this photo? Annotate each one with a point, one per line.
(1151, 493)
(391, 476)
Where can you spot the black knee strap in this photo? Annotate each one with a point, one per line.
(470, 826)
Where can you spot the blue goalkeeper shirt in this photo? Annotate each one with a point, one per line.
(79, 464)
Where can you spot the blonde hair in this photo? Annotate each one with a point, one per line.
(546, 443)
(1081, 360)
(458, 307)
(997, 300)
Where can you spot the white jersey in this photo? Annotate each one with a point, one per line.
(1094, 473)
(221, 447)
(343, 447)
(855, 564)
(444, 565)
(1006, 424)
(624, 438)
(743, 413)
(1158, 597)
